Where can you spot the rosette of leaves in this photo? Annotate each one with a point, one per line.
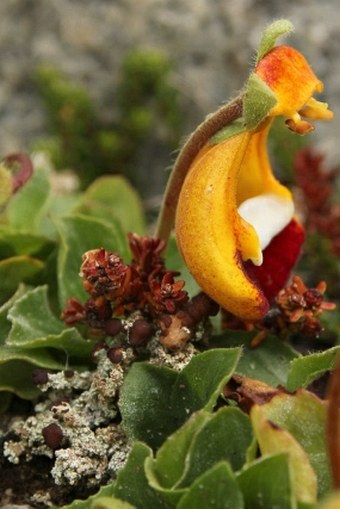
(43, 235)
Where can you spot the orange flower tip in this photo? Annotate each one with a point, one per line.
(289, 76)
(268, 214)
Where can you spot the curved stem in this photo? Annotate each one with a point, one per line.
(210, 126)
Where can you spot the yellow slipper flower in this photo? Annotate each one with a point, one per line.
(235, 224)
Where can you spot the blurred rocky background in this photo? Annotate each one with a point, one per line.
(207, 47)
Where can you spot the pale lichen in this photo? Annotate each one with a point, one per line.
(76, 422)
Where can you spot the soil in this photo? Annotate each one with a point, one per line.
(30, 483)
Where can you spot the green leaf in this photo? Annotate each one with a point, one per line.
(165, 471)
(269, 362)
(59, 206)
(173, 396)
(266, 483)
(171, 459)
(304, 416)
(104, 492)
(145, 403)
(79, 234)
(14, 242)
(112, 198)
(216, 488)
(202, 442)
(258, 100)
(35, 326)
(273, 439)
(305, 369)
(132, 485)
(16, 270)
(28, 206)
(110, 503)
(17, 366)
(271, 34)
(5, 324)
(201, 382)
(225, 437)
(37, 339)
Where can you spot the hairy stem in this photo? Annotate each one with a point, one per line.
(210, 126)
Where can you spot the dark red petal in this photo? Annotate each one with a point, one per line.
(279, 259)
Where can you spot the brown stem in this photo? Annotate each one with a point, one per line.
(210, 126)
(333, 425)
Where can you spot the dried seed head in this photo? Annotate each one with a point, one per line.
(202, 306)
(313, 298)
(140, 333)
(113, 327)
(115, 354)
(53, 436)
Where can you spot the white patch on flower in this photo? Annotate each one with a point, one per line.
(269, 214)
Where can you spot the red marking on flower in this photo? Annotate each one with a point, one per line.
(279, 259)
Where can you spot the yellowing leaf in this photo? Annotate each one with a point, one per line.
(273, 439)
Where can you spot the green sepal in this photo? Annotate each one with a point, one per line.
(258, 101)
(270, 35)
(236, 127)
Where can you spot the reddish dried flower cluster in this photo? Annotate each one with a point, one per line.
(298, 309)
(295, 309)
(117, 289)
(317, 185)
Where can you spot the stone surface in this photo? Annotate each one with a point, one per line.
(210, 42)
